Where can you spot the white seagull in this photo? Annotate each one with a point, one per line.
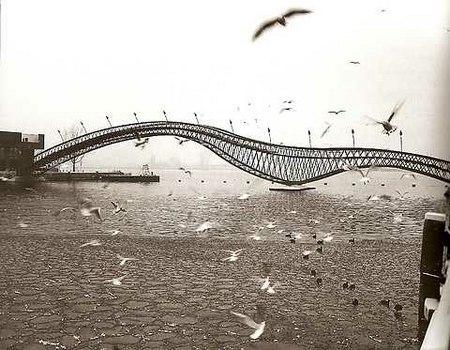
(259, 327)
(408, 175)
(203, 227)
(124, 260)
(87, 209)
(114, 232)
(266, 283)
(94, 243)
(271, 289)
(234, 255)
(365, 175)
(116, 281)
(244, 196)
(389, 128)
(401, 196)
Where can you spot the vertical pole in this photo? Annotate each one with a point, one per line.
(135, 116)
(270, 138)
(430, 264)
(109, 122)
(62, 138)
(401, 141)
(165, 115)
(195, 115)
(309, 137)
(231, 125)
(353, 137)
(84, 128)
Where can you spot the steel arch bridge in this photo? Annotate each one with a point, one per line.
(278, 163)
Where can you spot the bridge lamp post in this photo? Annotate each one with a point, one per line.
(309, 137)
(401, 141)
(84, 128)
(268, 131)
(195, 115)
(135, 116)
(231, 125)
(165, 115)
(109, 122)
(62, 138)
(353, 138)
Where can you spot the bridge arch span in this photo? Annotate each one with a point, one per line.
(283, 164)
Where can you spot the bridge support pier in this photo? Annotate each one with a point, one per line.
(430, 265)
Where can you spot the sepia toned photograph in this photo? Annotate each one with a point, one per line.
(241, 175)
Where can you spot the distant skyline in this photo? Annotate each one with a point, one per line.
(63, 62)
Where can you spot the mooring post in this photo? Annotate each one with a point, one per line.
(430, 264)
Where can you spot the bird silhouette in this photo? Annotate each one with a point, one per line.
(117, 208)
(354, 62)
(280, 20)
(185, 171)
(140, 142)
(337, 112)
(326, 129)
(286, 109)
(181, 141)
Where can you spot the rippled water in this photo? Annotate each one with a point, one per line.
(173, 207)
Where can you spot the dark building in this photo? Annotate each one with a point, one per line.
(17, 151)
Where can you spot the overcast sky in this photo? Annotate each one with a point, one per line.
(63, 62)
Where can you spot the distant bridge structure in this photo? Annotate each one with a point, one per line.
(287, 165)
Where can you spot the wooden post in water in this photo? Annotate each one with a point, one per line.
(430, 264)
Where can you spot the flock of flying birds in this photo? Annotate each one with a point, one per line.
(86, 208)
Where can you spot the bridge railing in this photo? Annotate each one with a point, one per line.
(434, 293)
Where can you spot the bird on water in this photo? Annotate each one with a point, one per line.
(279, 20)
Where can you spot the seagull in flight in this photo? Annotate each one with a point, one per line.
(124, 260)
(271, 289)
(286, 109)
(185, 171)
(140, 142)
(244, 196)
(326, 129)
(87, 209)
(66, 209)
(354, 62)
(401, 196)
(94, 243)
(280, 20)
(116, 281)
(234, 255)
(365, 178)
(337, 112)
(203, 227)
(259, 327)
(410, 175)
(118, 208)
(288, 101)
(181, 141)
(389, 128)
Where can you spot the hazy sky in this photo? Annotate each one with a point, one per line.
(63, 62)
